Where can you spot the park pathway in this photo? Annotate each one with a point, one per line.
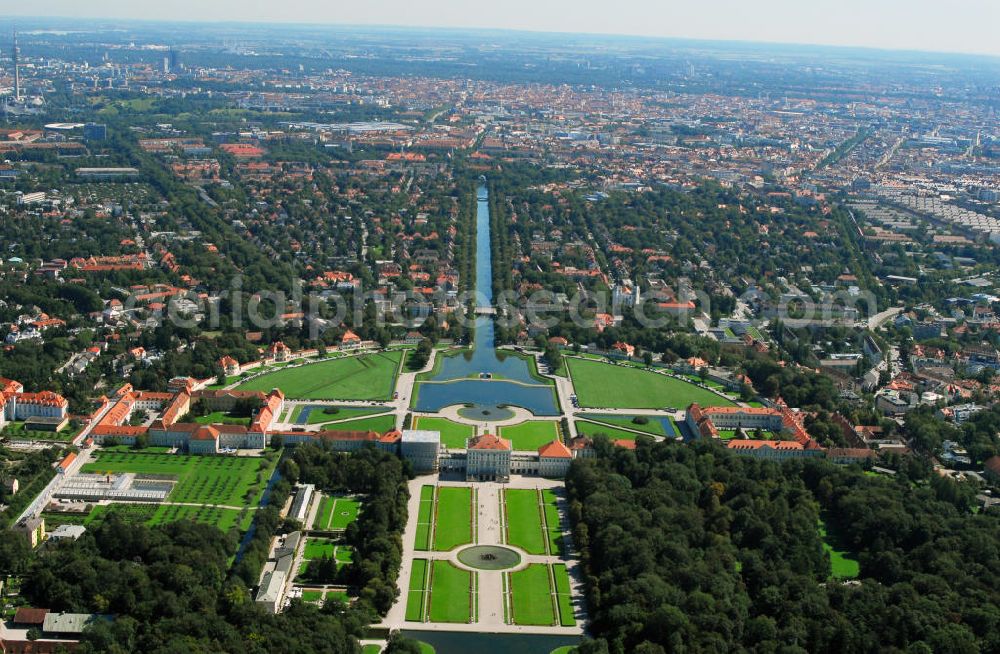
(489, 531)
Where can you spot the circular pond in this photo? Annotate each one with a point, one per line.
(486, 413)
(489, 557)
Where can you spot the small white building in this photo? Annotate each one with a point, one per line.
(67, 532)
(421, 448)
(272, 591)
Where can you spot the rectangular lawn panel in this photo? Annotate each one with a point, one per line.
(369, 377)
(451, 593)
(157, 514)
(532, 434)
(587, 428)
(453, 518)
(345, 511)
(344, 555)
(531, 596)
(381, 424)
(319, 414)
(453, 434)
(425, 515)
(524, 520)
(322, 519)
(843, 565)
(200, 479)
(317, 548)
(415, 594)
(131, 513)
(564, 597)
(221, 417)
(622, 387)
(552, 522)
(654, 426)
(222, 519)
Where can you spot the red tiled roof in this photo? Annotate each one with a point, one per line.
(555, 450)
(44, 398)
(205, 433)
(489, 442)
(756, 445)
(27, 615)
(66, 462)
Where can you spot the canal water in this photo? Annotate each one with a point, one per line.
(517, 387)
(512, 382)
(460, 642)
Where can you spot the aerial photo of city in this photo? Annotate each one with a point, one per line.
(574, 328)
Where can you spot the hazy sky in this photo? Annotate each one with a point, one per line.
(939, 25)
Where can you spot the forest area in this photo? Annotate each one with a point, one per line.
(172, 587)
(689, 549)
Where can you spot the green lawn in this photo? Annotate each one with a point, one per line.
(345, 511)
(729, 434)
(416, 595)
(226, 480)
(564, 597)
(337, 595)
(524, 520)
(151, 514)
(319, 414)
(451, 593)
(619, 387)
(532, 434)
(381, 424)
(224, 519)
(453, 517)
(425, 516)
(221, 417)
(654, 426)
(843, 564)
(552, 522)
(453, 434)
(531, 596)
(587, 428)
(371, 649)
(320, 548)
(317, 548)
(323, 513)
(18, 431)
(131, 513)
(368, 377)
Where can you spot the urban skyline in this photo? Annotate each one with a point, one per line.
(963, 27)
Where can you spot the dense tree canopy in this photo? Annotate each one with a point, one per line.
(166, 588)
(172, 588)
(687, 549)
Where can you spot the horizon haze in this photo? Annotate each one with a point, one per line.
(962, 27)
